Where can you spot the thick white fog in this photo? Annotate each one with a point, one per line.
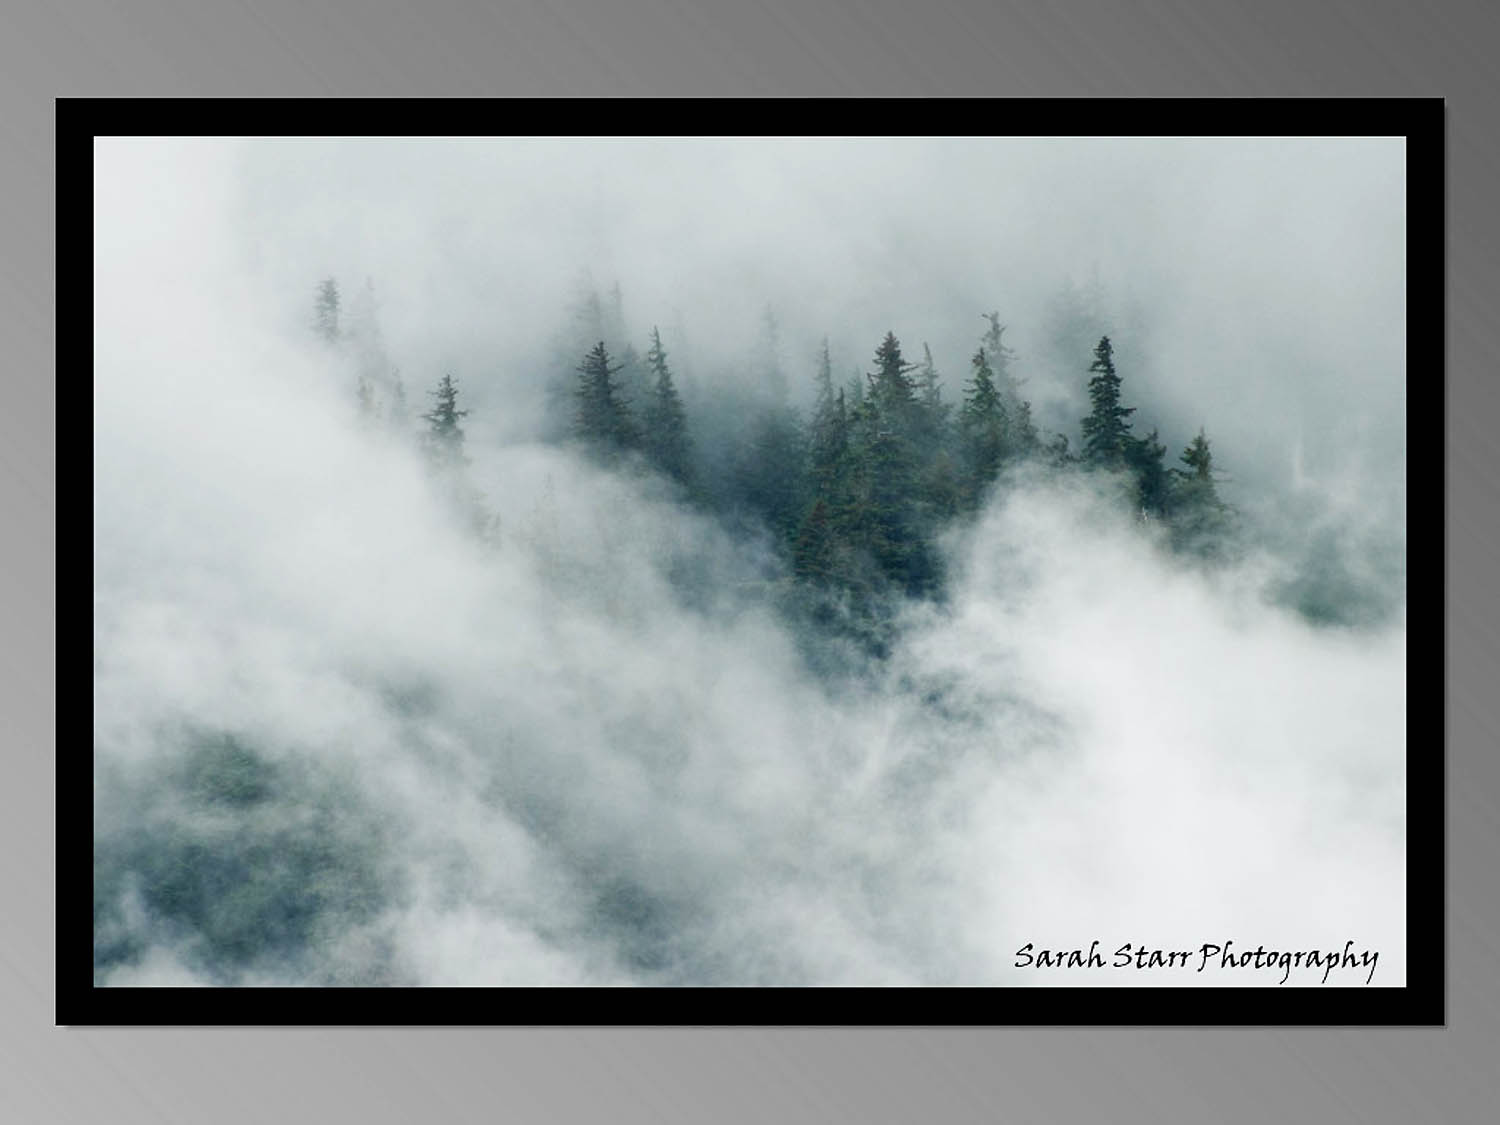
(342, 738)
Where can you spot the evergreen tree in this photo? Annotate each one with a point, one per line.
(1021, 435)
(1000, 354)
(1201, 522)
(635, 381)
(1058, 454)
(444, 440)
(983, 428)
(892, 531)
(576, 333)
(828, 437)
(930, 383)
(933, 412)
(1199, 457)
(893, 392)
(823, 382)
(1106, 432)
(884, 514)
(944, 487)
(1153, 486)
(769, 476)
(813, 553)
(603, 418)
(667, 443)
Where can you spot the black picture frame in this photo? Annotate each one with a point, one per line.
(1420, 1003)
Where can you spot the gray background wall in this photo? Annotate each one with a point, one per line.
(732, 48)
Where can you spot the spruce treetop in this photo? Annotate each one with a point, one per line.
(1106, 431)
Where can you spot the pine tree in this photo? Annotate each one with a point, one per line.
(1198, 457)
(444, 440)
(634, 380)
(666, 438)
(828, 432)
(1153, 486)
(983, 428)
(930, 383)
(1057, 453)
(892, 531)
(1000, 355)
(603, 418)
(769, 477)
(823, 382)
(885, 513)
(893, 393)
(327, 311)
(1106, 433)
(933, 412)
(814, 550)
(1201, 522)
(1021, 435)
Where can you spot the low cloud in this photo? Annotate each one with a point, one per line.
(340, 739)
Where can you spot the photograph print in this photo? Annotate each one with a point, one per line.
(561, 563)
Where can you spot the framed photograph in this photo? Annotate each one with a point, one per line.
(816, 573)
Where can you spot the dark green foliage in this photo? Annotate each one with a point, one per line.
(823, 379)
(885, 517)
(944, 488)
(769, 477)
(813, 553)
(892, 391)
(1025, 440)
(1058, 454)
(983, 429)
(1106, 431)
(635, 381)
(444, 440)
(1021, 435)
(240, 862)
(934, 412)
(829, 431)
(995, 347)
(854, 497)
(892, 528)
(666, 438)
(1153, 487)
(603, 421)
(1200, 459)
(1202, 524)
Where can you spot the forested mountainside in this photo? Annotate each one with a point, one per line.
(882, 607)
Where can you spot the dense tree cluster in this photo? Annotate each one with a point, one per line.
(854, 492)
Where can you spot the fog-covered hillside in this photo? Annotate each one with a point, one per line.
(745, 562)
